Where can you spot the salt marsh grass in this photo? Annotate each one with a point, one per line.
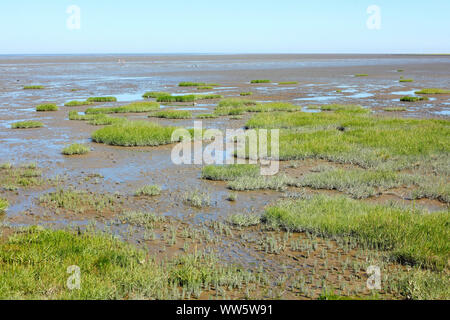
(355, 138)
(410, 235)
(134, 133)
(3, 205)
(155, 94)
(206, 116)
(229, 172)
(77, 103)
(394, 109)
(243, 94)
(33, 87)
(406, 80)
(197, 198)
(76, 149)
(110, 269)
(169, 98)
(47, 107)
(244, 220)
(239, 106)
(344, 108)
(102, 99)
(172, 114)
(27, 125)
(197, 84)
(361, 75)
(135, 107)
(433, 91)
(261, 81)
(413, 99)
(150, 190)
(288, 82)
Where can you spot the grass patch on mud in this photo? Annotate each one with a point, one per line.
(344, 108)
(197, 84)
(433, 91)
(287, 82)
(102, 99)
(96, 119)
(4, 204)
(229, 172)
(172, 114)
(244, 94)
(76, 149)
(394, 109)
(135, 107)
(359, 139)
(411, 236)
(207, 116)
(358, 183)
(77, 103)
(134, 134)
(148, 191)
(260, 81)
(47, 107)
(235, 106)
(110, 269)
(27, 125)
(197, 198)
(12, 178)
(413, 99)
(361, 75)
(155, 94)
(78, 202)
(33, 87)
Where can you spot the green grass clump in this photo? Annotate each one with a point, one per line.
(288, 82)
(4, 204)
(169, 98)
(260, 81)
(409, 235)
(155, 94)
(75, 148)
(197, 198)
(208, 96)
(354, 138)
(229, 172)
(141, 219)
(205, 87)
(135, 107)
(197, 84)
(172, 114)
(413, 99)
(400, 70)
(394, 109)
(27, 125)
(344, 108)
(244, 220)
(47, 107)
(153, 190)
(33, 87)
(361, 75)
(239, 106)
(110, 269)
(358, 183)
(12, 178)
(78, 201)
(76, 103)
(102, 99)
(433, 91)
(74, 115)
(134, 133)
(249, 183)
(104, 120)
(243, 94)
(206, 116)
(406, 80)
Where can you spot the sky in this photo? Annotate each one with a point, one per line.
(231, 26)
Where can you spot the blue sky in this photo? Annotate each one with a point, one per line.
(231, 26)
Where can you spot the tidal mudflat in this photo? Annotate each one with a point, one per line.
(86, 177)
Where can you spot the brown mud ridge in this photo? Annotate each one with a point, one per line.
(300, 265)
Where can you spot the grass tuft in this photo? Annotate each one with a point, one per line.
(229, 172)
(33, 87)
(433, 91)
(155, 94)
(172, 114)
(4, 204)
(76, 103)
(102, 99)
(27, 125)
(75, 149)
(152, 190)
(260, 81)
(413, 99)
(47, 107)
